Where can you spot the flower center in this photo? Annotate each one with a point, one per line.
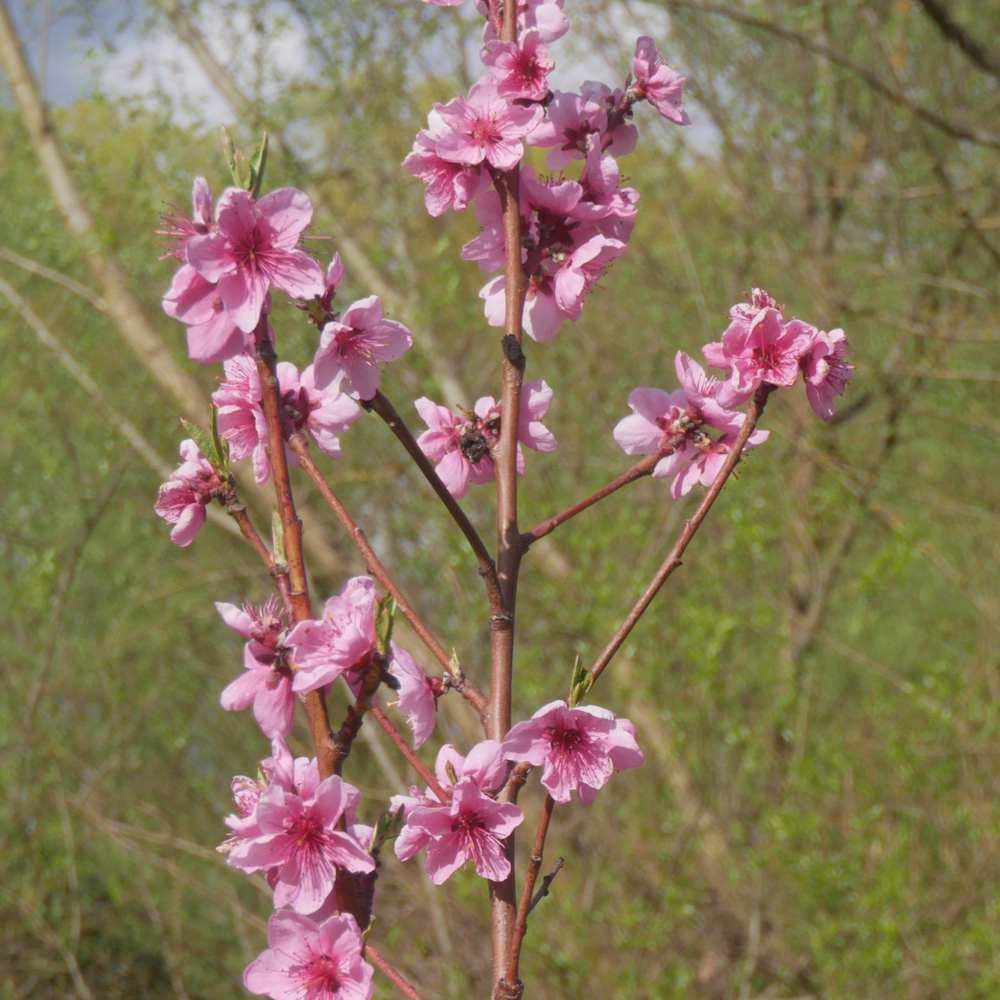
(567, 741)
(320, 978)
(484, 130)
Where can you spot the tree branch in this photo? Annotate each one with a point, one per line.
(673, 559)
(390, 973)
(983, 57)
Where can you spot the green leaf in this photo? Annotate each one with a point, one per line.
(581, 683)
(206, 442)
(221, 444)
(229, 151)
(384, 612)
(258, 161)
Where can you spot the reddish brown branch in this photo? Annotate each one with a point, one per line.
(348, 732)
(390, 973)
(408, 752)
(503, 895)
(295, 578)
(487, 568)
(640, 469)
(691, 526)
(528, 892)
(300, 446)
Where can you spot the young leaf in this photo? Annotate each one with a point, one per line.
(229, 151)
(384, 611)
(221, 444)
(205, 442)
(581, 683)
(278, 540)
(258, 161)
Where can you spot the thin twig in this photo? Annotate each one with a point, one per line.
(408, 752)
(543, 889)
(487, 567)
(641, 468)
(390, 973)
(33, 267)
(298, 443)
(528, 892)
(673, 559)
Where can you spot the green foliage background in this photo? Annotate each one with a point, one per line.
(817, 689)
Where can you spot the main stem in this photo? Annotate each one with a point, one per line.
(503, 895)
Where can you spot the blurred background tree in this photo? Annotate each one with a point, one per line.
(818, 688)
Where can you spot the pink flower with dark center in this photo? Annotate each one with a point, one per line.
(484, 765)
(825, 371)
(462, 445)
(757, 299)
(472, 829)
(484, 127)
(342, 640)
(449, 185)
(571, 124)
(418, 693)
(300, 840)
(657, 83)
(578, 748)
(660, 416)
(471, 826)
(765, 349)
(321, 413)
(356, 343)
(182, 501)
(179, 228)
(307, 960)
(212, 336)
(266, 681)
(299, 775)
(521, 69)
(256, 246)
(623, 137)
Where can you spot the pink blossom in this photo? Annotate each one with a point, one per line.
(471, 826)
(624, 135)
(484, 127)
(603, 202)
(356, 343)
(763, 349)
(321, 413)
(212, 336)
(240, 415)
(581, 271)
(657, 82)
(295, 774)
(444, 3)
(341, 641)
(256, 246)
(266, 681)
(182, 501)
(307, 960)
(572, 122)
(825, 371)
(179, 228)
(449, 185)
(462, 445)
(579, 748)
(659, 416)
(472, 829)
(521, 68)
(300, 840)
(418, 693)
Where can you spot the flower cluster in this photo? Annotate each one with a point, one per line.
(183, 499)
(463, 444)
(759, 347)
(571, 229)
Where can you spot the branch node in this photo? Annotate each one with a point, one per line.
(512, 350)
